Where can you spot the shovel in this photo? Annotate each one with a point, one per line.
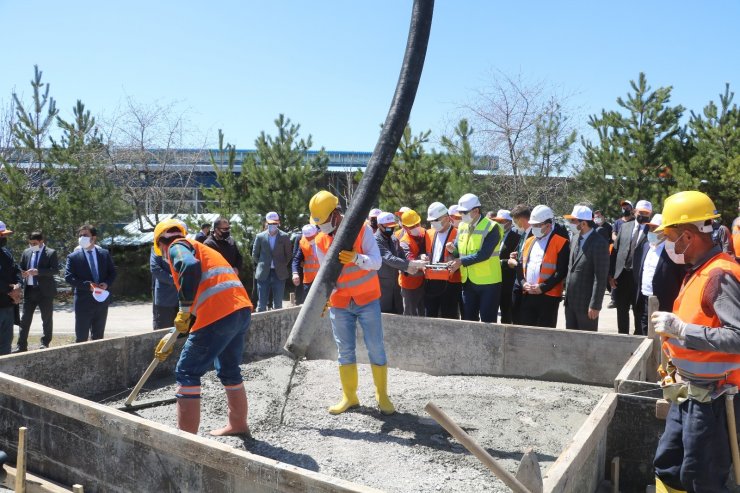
(132, 397)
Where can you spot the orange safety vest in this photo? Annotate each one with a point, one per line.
(690, 308)
(310, 261)
(220, 292)
(549, 262)
(406, 280)
(354, 283)
(447, 256)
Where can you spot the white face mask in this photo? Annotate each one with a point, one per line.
(653, 238)
(537, 232)
(670, 249)
(312, 241)
(35, 248)
(599, 220)
(417, 231)
(467, 218)
(326, 228)
(84, 242)
(437, 225)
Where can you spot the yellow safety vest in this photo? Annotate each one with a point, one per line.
(468, 243)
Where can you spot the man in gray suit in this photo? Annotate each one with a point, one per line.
(588, 270)
(272, 252)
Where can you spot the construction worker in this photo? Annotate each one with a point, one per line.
(215, 310)
(477, 245)
(372, 219)
(544, 262)
(701, 338)
(412, 243)
(306, 261)
(399, 232)
(356, 298)
(441, 295)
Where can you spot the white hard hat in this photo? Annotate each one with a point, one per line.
(272, 217)
(386, 218)
(540, 214)
(435, 211)
(644, 206)
(503, 215)
(657, 220)
(454, 210)
(309, 231)
(580, 212)
(467, 202)
(374, 213)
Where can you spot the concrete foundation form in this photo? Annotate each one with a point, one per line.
(74, 440)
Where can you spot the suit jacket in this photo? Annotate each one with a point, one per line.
(264, 256)
(10, 274)
(77, 273)
(48, 267)
(392, 256)
(667, 280)
(588, 269)
(621, 248)
(509, 244)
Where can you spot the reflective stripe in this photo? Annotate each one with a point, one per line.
(215, 271)
(548, 265)
(706, 369)
(310, 269)
(351, 269)
(214, 290)
(356, 282)
(544, 277)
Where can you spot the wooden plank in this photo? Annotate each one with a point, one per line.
(615, 475)
(653, 306)
(636, 366)
(20, 462)
(568, 467)
(34, 484)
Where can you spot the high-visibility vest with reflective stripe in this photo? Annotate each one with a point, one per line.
(220, 292)
(549, 261)
(354, 283)
(470, 242)
(446, 256)
(310, 261)
(405, 280)
(692, 307)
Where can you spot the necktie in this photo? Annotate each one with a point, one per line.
(93, 268)
(35, 261)
(578, 245)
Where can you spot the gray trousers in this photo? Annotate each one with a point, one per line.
(413, 301)
(579, 320)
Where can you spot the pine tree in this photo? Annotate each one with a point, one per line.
(458, 161)
(32, 126)
(637, 149)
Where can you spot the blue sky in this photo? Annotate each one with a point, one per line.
(332, 65)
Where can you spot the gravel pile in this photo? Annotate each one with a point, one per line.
(407, 451)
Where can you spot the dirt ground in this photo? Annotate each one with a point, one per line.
(407, 451)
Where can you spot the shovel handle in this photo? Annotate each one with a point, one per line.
(150, 369)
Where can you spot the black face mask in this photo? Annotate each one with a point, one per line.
(374, 222)
(3, 242)
(387, 231)
(626, 212)
(642, 219)
(224, 234)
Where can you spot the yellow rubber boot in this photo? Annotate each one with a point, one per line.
(380, 376)
(661, 487)
(348, 377)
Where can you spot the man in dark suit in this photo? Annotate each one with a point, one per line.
(205, 230)
(39, 265)
(90, 272)
(393, 261)
(10, 291)
(657, 275)
(622, 263)
(509, 244)
(603, 227)
(588, 269)
(520, 215)
(272, 252)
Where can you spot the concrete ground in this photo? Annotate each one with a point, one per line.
(125, 318)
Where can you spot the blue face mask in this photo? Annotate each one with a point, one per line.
(272, 228)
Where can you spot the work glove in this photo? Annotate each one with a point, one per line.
(669, 325)
(182, 322)
(347, 257)
(158, 353)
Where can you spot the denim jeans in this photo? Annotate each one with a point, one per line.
(219, 345)
(7, 317)
(272, 283)
(344, 326)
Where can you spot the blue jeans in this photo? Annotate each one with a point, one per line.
(480, 301)
(220, 344)
(7, 317)
(272, 283)
(344, 326)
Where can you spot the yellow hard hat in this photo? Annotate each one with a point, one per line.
(410, 218)
(162, 228)
(321, 206)
(687, 207)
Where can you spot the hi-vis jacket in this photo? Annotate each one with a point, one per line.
(310, 261)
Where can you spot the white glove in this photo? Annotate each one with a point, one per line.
(669, 325)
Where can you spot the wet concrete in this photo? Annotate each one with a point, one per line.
(404, 452)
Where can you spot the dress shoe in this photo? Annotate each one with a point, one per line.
(43, 346)
(612, 304)
(19, 349)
